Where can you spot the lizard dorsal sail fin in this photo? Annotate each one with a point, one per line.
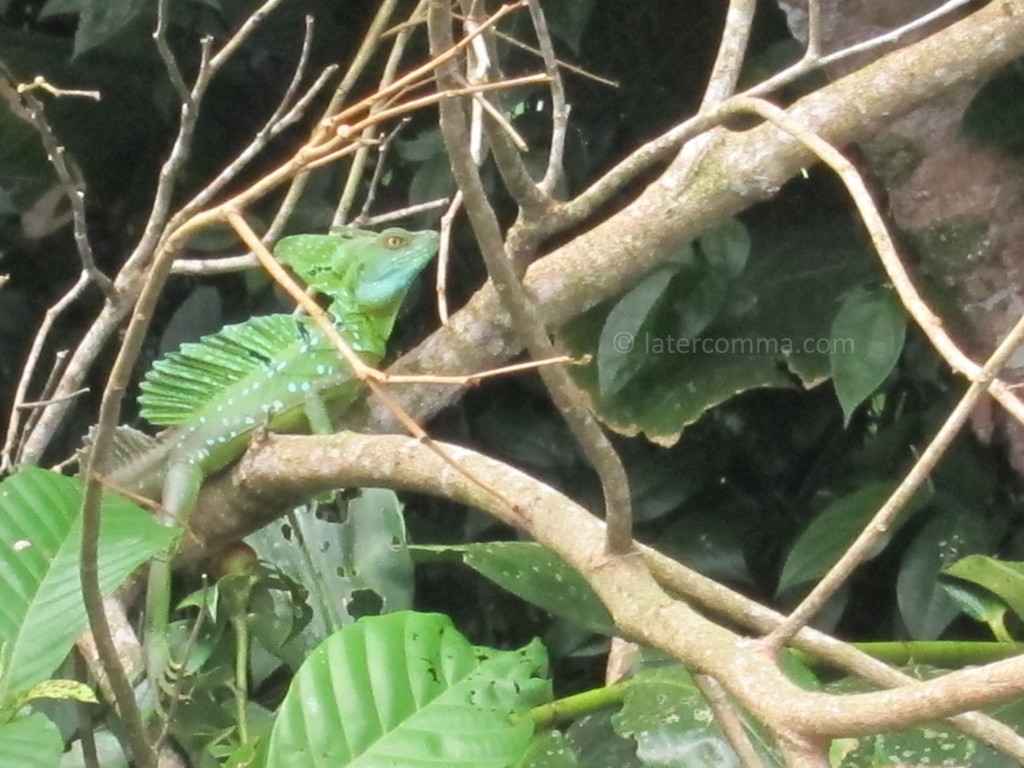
(126, 446)
(185, 381)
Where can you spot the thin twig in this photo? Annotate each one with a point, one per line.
(43, 403)
(11, 451)
(729, 720)
(348, 194)
(813, 52)
(559, 105)
(559, 62)
(443, 259)
(25, 105)
(166, 54)
(564, 392)
(533, 201)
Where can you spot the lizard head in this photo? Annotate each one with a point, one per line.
(385, 265)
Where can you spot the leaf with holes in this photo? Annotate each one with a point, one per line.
(407, 689)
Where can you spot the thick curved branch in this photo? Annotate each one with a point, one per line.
(282, 469)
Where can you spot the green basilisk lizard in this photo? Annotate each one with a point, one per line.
(277, 371)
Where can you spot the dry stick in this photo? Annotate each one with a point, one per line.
(9, 459)
(370, 376)
(26, 106)
(728, 720)
(812, 60)
(880, 524)
(284, 115)
(132, 273)
(565, 394)
(383, 146)
(424, 70)
(813, 30)
(358, 165)
(444, 250)
(166, 54)
(559, 105)
(359, 62)
(403, 213)
(531, 199)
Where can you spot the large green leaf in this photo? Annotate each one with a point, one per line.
(775, 313)
(834, 529)
(40, 537)
(407, 689)
(535, 574)
(867, 338)
(30, 742)
(333, 562)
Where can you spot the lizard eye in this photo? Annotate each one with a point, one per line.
(394, 241)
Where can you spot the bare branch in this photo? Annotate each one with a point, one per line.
(520, 307)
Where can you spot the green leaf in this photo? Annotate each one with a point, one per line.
(924, 604)
(778, 310)
(673, 725)
(726, 247)
(981, 606)
(333, 562)
(867, 338)
(927, 745)
(377, 556)
(618, 355)
(60, 689)
(821, 544)
(102, 19)
(30, 742)
(407, 689)
(40, 537)
(1004, 579)
(535, 574)
(551, 749)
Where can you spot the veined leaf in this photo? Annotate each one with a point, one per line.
(831, 532)
(924, 604)
(535, 574)
(620, 349)
(40, 535)
(867, 338)
(407, 689)
(30, 742)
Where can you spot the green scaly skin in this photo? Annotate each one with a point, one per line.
(277, 372)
